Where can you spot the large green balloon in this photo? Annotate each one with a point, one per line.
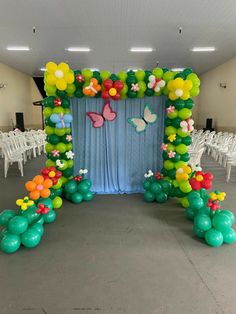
(202, 222)
(87, 74)
(229, 236)
(189, 103)
(105, 75)
(18, 225)
(161, 197)
(77, 198)
(166, 185)
(122, 75)
(221, 222)
(39, 227)
(184, 113)
(88, 196)
(87, 182)
(61, 147)
(149, 196)
(5, 217)
(229, 214)
(30, 214)
(198, 232)
(50, 217)
(10, 243)
(187, 140)
(68, 196)
(158, 72)
(71, 187)
(155, 188)
(53, 139)
(146, 185)
(30, 238)
(83, 187)
(196, 203)
(190, 213)
(214, 237)
(181, 149)
(140, 75)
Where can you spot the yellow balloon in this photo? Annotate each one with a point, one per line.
(51, 79)
(178, 83)
(112, 91)
(185, 95)
(188, 85)
(69, 78)
(64, 67)
(61, 84)
(51, 67)
(172, 96)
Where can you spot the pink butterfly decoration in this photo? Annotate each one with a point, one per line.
(107, 115)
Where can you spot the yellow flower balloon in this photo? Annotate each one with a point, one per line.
(179, 88)
(24, 203)
(59, 75)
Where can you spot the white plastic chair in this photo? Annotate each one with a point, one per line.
(11, 156)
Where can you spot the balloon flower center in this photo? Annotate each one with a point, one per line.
(199, 178)
(112, 91)
(40, 187)
(59, 74)
(179, 92)
(51, 174)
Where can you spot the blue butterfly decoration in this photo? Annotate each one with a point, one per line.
(61, 120)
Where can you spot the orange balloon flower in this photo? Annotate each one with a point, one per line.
(92, 89)
(38, 187)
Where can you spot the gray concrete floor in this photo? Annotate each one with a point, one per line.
(118, 255)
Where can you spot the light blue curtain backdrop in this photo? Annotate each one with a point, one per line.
(116, 155)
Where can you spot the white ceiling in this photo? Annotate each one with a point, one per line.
(111, 27)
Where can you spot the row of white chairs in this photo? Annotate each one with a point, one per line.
(197, 147)
(19, 146)
(221, 146)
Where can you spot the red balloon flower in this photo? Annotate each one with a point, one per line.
(112, 89)
(51, 173)
(57, 102)
(78, 178)
(42, 209)
(79, 78)
(201, 180)
(214, 205)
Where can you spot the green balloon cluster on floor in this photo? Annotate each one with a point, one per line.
(78, 191)
(24, 227)
(213, 226)
(156, 190)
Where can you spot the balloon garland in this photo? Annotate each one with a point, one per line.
(177, 179)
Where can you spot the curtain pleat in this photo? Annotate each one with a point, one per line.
(116, 155)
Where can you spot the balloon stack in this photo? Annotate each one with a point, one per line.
(210, 223)
(77, 189)
(25, 227)
(156, 189)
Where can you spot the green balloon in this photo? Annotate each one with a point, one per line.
(61, 147)
(204, 210)
(181, 149)
(39, 227)
(229, 214)
(131, 94)
(171, 173)
(177, 141)
(198, 232)
(88, 196)
(166, 185)
(193, 195)
(30, 215)
(229, 236)
(157, 72)
(68, 196)
(140, 75)
(221, 222)
(184, 113)
(190, 213)
(79, 93)
(196, 203)
(122, 75)
(10, 243)
(57, 202)
(214, 237)
(71, 187)
(161, 197)
(30, 238)
(87, 74)
(105, 75)
(65, 103)
(149, 92)
(142, 87)
(53, 139)
(167, 76)
(194, 91)
(146, 185)
(49, 101)
(88, 182)
(77, 198)
(18, 225)
(148, 196)
(189, 103)
(185, 157)
(131, 79)
(202, 222)
(49, 217)
(83, 187)
(176, 122)
(68, 172)
(155, 188)
(187, 140)
(5, 217)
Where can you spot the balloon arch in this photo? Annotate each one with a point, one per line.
(177, 178)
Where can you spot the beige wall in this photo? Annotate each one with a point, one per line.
(18, 96)
(216, 102)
